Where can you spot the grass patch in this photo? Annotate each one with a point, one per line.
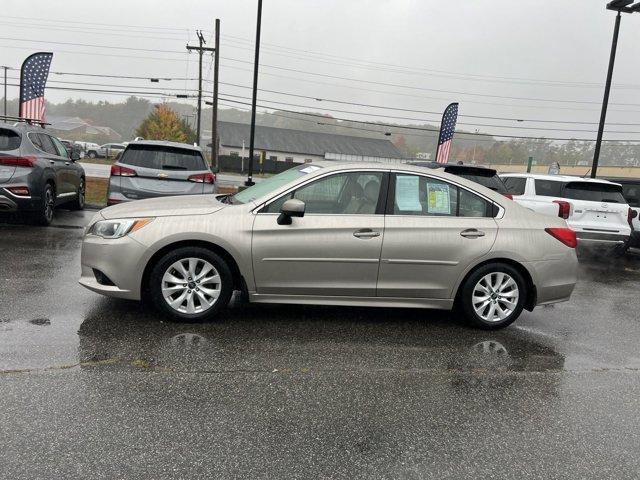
(96, 191)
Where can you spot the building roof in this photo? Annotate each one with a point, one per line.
(299, 141)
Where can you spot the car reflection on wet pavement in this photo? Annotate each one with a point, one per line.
(97, 387)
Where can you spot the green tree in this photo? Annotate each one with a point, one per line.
(163, 124)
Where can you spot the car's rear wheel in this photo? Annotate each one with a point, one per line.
(191, 284)
(92, 154)
(44, 215)
(78, 203)
(493, 296)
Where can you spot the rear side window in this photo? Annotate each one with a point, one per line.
(515, 185)
(631, 194)
(548, 188)
(9, 140)
(594, 192)
(43, 142)
(163, 158)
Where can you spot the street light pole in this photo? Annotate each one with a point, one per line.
(250, 181)
(605, 101)
(618, 6)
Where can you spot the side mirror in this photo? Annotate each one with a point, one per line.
(291, 208)
(75, 155)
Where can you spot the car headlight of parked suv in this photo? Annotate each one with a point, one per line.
(118, 228)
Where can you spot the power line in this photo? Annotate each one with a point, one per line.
(66, 20)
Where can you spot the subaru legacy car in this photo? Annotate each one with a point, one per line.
(37, 173)
(335, 234)
(153, 168)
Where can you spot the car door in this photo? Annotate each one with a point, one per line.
(72, 171)
(334, 249)
(43, 143)
(433, 230)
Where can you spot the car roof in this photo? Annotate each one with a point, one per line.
(20, 127)
(459, 166)
(165, 143)
(557, 178)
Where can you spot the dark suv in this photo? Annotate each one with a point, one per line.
(487, 177)
(37, 173)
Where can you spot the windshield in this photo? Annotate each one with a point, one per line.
(594, 192)
(271, 184)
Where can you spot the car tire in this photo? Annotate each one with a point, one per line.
(44, 215)
(493, 296)
(176, 278)
(78, 203)
(92, 154)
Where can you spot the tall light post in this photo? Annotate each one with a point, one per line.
(620, 6)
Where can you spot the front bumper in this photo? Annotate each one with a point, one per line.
(121, 260)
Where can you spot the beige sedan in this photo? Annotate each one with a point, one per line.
(335, 234)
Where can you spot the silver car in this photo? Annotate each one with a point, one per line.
(152, 168)
(335, 234)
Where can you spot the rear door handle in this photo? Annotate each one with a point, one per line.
(366, 233)
(472, 233)
(52, 162)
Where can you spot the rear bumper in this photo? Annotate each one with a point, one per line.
(554, 279)
(15, 203)
(601, 237)
(116, 193)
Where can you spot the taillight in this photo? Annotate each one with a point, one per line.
(565, 235)
(120, 171)
(20, 191)
(631, 214)
(508, 195)
(203, 178)
(564, 208)
(28, 162)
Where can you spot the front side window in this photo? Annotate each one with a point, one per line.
(353, 193)
(515, 185)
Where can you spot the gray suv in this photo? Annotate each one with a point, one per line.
(154, 168)
(37, 173)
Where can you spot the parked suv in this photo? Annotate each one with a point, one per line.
(487, 177)
(594, 208)
(151, 168)
(108, 150)
(37, 173)
(631, 193)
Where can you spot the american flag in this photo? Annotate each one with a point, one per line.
(33, 78)
(447, 129)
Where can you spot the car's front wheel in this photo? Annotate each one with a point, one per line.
(493, 296)
(190, 284)
(92, 154)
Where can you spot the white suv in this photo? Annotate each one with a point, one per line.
(595, 209)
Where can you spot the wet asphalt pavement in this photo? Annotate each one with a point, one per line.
(99, 388)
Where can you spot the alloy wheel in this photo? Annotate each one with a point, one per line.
(495, 297)
(81, 194)
(48, 204)
(191, 285)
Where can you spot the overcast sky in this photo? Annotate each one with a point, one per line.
(417, 55)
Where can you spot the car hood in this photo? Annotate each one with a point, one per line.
(165, 206)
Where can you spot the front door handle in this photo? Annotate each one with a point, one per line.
(67, 163)
(365, 233)
(52, 162)
(472, 233)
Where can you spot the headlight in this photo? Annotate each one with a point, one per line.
(117, 228)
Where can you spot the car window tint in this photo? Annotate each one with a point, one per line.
(471, 205)
(418, 195)
(62, 151)
(548, 188)
(9, 140)
(43, 142)
(492, 182)
(515, 185)
(35, 139)
(594, 192)
(353, 193)
(163, 158)
(631, 194)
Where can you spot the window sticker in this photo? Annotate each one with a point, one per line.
(438, 198)
(408, 193)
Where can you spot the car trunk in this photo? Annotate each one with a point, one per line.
(9, 150)
(597, 207)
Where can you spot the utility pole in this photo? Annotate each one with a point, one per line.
(214, 113)
(200, 49)
(5, 90)
(250, 181)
